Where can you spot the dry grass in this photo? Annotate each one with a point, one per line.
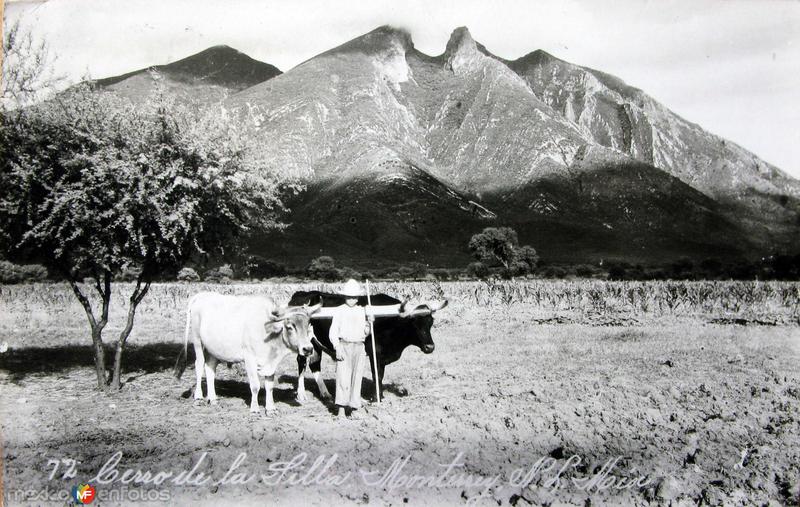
(47, 313)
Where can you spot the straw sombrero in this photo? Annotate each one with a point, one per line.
(351, 288)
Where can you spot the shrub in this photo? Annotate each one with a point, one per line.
(617, 270)
(418, 269)
(347, 273)
(259, 267)
(711, 267)
(188, 275)
(440, 273)
(478, 269)
(406, 272)
(14, 273)
(526, 255)
(517, 268)
(682, 268)
(323, 268)
(33, 273)
(554, 272)
(586, 270)
(128, 274)
(222, 274)
(9, 273)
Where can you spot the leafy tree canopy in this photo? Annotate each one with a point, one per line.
(93, 184)
(500, 246)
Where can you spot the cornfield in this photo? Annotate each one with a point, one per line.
(593, 301)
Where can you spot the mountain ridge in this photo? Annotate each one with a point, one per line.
(578, 151)
(205, 77)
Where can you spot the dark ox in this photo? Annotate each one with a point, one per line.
(393, 334)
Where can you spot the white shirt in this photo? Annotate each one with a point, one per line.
(349, 324)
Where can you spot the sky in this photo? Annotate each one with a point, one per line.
(732, 66)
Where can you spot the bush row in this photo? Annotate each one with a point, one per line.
(776, 267)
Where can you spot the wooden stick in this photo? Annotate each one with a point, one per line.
(374, 352)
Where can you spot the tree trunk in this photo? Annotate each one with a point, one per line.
(138, 294)
(99, 358)
(96, 325)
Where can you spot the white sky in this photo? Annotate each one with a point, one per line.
(732, 66)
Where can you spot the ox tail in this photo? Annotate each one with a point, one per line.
(180, 363)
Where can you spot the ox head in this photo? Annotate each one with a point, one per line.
(420, 317)
(295, 326)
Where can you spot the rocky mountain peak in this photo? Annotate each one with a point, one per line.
(461, 50)
(460, 40)
(394, 33)
(378, 41)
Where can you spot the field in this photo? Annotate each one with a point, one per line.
(690, 388)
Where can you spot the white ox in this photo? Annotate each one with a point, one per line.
(243, 329)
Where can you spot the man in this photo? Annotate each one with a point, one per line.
(349, 329)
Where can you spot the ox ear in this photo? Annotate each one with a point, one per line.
(437, 305)
(277, 315)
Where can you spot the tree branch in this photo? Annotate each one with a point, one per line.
(106, 295)
(87, 306)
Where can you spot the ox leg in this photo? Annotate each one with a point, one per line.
(301, 381)
(255, 385)
(269, 383)
(316, 366)
(315, 363)
(211, 370)
(199, 366)
(323, 390)
(381, 368)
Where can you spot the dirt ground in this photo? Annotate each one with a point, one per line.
(524, 413)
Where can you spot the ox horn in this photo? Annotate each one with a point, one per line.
(313, 309)
(437, 305)
(278, 314)
(403, 313)
(415, 312)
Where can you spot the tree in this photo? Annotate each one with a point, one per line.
(495, 245)
(323, 268)
(93, 185)
(478, 269)
(527, 255)
(27, 69)
(500, 246)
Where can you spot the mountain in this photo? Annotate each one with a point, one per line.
(208, 76)
(406, 155)
(401, 213)
(463, 116)
(613, 114)
(381, 128)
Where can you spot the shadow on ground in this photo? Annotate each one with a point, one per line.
(153, 358)
(150, 358)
